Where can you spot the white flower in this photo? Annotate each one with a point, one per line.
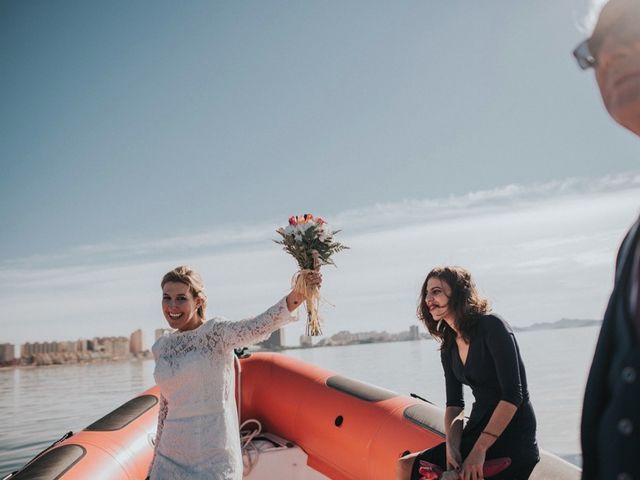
(326, 236)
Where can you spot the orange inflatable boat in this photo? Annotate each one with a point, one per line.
(301, 422)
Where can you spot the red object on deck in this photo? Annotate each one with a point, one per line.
(430, 471)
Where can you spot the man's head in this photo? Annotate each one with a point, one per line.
(613, 50)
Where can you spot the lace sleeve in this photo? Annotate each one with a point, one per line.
(162, 414)
(253, 330)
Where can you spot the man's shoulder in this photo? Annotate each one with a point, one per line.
(629, 244)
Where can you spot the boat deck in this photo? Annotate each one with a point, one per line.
(273, 458)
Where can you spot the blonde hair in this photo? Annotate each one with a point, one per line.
(191, 278)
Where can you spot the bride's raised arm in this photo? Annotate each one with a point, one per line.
(256, 329)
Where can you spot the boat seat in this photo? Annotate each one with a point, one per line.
(275, 458)
(551, 467)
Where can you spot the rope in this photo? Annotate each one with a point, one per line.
(250, 452)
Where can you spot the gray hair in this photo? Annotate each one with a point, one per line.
(591, 18)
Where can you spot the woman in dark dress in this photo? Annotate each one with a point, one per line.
(477, 349)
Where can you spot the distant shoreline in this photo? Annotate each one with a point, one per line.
(559, 324)
(564, 323)
(98, 361)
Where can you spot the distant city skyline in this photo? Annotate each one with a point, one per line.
(136, 342)
(275, 341)
(118, 345)
(53, 352)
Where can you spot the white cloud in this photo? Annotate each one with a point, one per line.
(540, 252)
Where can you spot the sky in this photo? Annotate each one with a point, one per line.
(136, 136)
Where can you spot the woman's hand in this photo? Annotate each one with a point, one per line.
(473, 464)
(313, 279)
(454, 458)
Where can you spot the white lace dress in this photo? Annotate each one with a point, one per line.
(198, 434)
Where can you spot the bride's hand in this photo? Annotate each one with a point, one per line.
(312, 279)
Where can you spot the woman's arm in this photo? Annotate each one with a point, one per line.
(294, 300)
(499, 420)
(454, 412)
(453, 420)
(253, 330)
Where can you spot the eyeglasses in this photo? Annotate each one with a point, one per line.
(621, 31)
(583, 55)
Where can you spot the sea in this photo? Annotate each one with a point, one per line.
(39, 404)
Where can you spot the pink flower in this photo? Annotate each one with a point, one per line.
(293, 220)
(320, 221)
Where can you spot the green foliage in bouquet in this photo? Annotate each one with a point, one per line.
(303, 235)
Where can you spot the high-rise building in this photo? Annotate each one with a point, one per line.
(82, 345)
(135, 342)
(120, 347)
(28, 349)
(414, 332)
(7, 352)
(104, 345)
(114, 347)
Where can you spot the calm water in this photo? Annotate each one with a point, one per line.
(38, 405)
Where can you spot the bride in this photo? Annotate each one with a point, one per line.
(198, 433)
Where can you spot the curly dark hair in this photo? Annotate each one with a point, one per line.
(465, 301)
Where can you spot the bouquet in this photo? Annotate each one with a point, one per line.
(310, 241)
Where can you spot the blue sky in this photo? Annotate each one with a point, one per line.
(138, 135)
